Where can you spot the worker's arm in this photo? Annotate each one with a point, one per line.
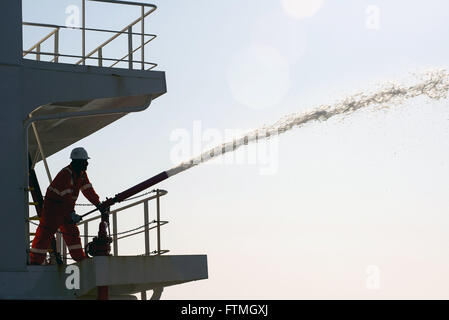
(88, 191)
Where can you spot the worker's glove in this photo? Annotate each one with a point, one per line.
(103, 209)
(75, 218)
(104, 212)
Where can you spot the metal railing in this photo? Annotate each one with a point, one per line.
(98, 51)
(117, 235)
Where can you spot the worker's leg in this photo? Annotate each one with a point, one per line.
(71, 235)
(41, 241)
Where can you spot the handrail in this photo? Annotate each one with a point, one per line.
(161, 223)
(123, 59)
(116, 235)
(162, 193)
(48, 25)
(93, 58)
(83, 57)
(41, 41)
(117, 35)
(128, 3)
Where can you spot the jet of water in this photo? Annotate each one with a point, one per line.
(433, 84)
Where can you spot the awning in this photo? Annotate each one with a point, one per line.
(57, 134)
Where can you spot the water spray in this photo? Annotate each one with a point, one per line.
(434, 84)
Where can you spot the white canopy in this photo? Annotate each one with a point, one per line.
(72, 121)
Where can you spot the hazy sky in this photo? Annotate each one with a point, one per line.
(355, 207)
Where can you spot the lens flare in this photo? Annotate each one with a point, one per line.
(259, 76)
(301, 8)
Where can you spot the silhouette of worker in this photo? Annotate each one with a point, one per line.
(59, 208)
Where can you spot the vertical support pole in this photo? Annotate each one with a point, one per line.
(41, 150)
(61, 247)
(147, 230)
(38, 52)
(36, 156)
(56, 59)
(84, 31)
(142, 39)
(158, 223)
(130, 48)
(28, 236)
(86, 233)
(143, 294)
(114, 231)
(100, 57)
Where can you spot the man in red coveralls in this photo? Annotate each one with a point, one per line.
(58, 210)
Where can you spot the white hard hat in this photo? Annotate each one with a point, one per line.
(79, 153)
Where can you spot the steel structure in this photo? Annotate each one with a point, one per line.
(41, 98)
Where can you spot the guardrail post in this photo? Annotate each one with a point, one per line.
(84, 32)
(147, 231)
(143, 294)
(114, 231)
(158, 223)
(38, 52)
(56, 59)
(100, 57)
(143, 38)
(130, 48)
(86, 234)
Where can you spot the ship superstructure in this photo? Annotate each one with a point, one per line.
(49, 104)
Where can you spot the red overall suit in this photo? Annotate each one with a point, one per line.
(59, 203)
